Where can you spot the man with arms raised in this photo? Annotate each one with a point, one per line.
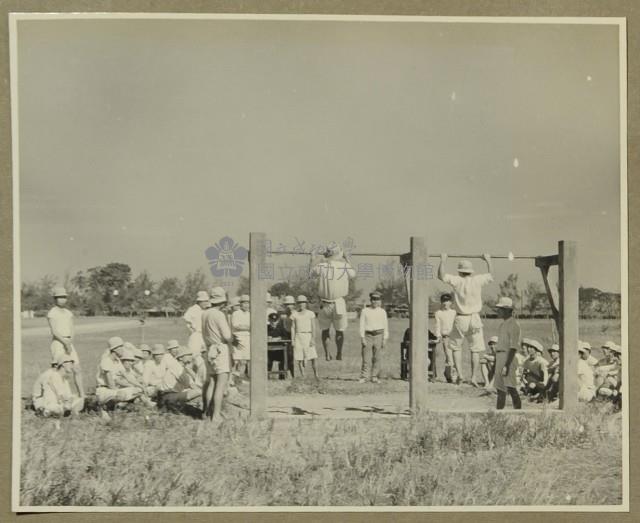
(467, 289)
(333, 276)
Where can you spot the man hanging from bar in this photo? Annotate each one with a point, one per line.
(333, 276)
(467, 288)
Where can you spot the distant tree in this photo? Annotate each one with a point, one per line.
(509, 287)
(536, 298)
(103, 281)
(139, 300)
(167, 294)
(392, 290)
(243, 286)
(193, 282)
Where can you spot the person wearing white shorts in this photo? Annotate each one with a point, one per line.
(241, 329)
(60, 320)
(303, 334)
(193, 318)
(467, 288)
(217, 337)
(333, 276)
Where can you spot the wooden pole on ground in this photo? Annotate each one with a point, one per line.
(418, 324)
(569, 310)
(258, 292)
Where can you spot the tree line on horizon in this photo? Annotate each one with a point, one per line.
(91, 293)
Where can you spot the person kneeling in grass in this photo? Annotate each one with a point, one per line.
(52, 394)
(179, 382)
(607, 379)
(303, 334)
(553, 385)
(374, 332)
(488, 363)
(506, 348)
(535, 370)
(112, 385)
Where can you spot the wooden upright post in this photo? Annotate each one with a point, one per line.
(568, 280)
(418, 324)
(258, 291)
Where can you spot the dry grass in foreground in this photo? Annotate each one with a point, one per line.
(438, 459)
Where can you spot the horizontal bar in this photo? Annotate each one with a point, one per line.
(389, 254)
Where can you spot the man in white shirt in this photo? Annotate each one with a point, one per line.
(444, 325)
(193, 318)
(52, 394)
(467, 325)
(178, 383)
(586, 379)
(374, 333)
(591, 361)
(333, 276)
(60, 320)
(112, 384)
(241, 330)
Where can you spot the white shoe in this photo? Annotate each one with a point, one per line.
(375, 380)
(362, 380)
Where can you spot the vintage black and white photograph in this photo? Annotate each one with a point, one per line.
(299, 262)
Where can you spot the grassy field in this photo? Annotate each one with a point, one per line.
(340, 376)
(150, 458)
(439, 459)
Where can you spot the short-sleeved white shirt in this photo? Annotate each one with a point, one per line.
(170, 369)
(303, 320)
(468, 291)
(108, 364)
(62, 320)
(193, 317)
(241, 321)
(585, 374)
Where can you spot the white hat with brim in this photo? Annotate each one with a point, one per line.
(234, 301)
(465, 267)
(534, 344)
(59, 292)
(115, 343)
(617, 349)
(301, 299)
(127, 355)
(504, 303)
(184, 351)
(244, 298)
(493, 339)
(173, 344)
(584, 345)
(289, 300)
(158, 349)
(62, 359)
(218, 295)
(554, 348)
(202, 296)
(608, 345)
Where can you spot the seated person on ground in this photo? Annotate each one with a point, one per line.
(178, 385)
(52, 394)
(112, 385)
(535, 370)
(488, 362)
(586, 385)
(553, 385)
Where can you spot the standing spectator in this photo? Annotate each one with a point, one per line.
(193, 318)
(333, 276)
(217, 337)
(241, 329)
(303, 334)
(444, 325)
(374, 333)
(467, 325)
(60, 320)
(508, 341)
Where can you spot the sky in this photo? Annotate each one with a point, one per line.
(146, 141)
